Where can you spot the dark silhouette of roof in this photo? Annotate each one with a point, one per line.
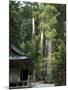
(16, 54)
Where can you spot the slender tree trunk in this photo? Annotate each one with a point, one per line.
(44, 44)
(33, 46)
(41, 43)
(49, 72)
(33, 32)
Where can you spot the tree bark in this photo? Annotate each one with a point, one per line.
(49, 71)
(33, 45)
(33, 32)
(41, 42)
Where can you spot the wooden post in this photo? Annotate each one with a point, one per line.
(28, 81)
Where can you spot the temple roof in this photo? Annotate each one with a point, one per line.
(17, 58)
(16, 54)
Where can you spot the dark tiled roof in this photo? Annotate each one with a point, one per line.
(16, 54)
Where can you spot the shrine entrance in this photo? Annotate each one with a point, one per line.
(24, 75)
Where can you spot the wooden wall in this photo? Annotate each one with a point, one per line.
(14, 74)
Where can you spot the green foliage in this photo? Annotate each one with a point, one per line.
(15, 22)
(59, 64)
(20, 24)
(49, 18)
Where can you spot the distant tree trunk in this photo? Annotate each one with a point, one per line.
(49, 73)
(33, 32)
(41, 42)
(44, 44)
(33, 46)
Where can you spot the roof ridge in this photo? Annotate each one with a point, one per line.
(17, 50)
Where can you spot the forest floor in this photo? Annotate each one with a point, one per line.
(40, 84)
(34, 85)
